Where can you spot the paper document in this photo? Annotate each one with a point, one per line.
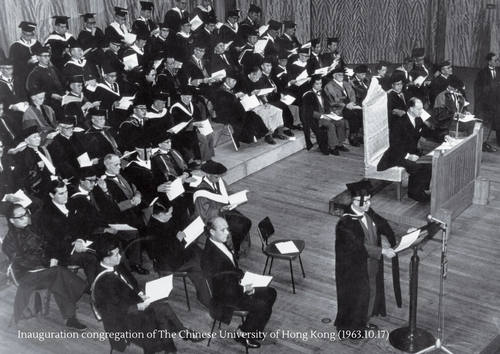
(86, 244)
(25, 200)
(265, 91)
(159, 288)
(179, 127)
(176, 189)
(407, 240)
(424, 115)
(194, 230)
(218, 74)
(125, 102)
(238, 198)
(157, 63)
(287, 247)
(122, 227)
(302, 81)
(467, 118)
(219, 25)
(206, 127)
(195, 23)
(287, 99)
(226, 45)
(22, 106)
(250, 102)
(333, 116)
(419, 80)
(131, 60)
(260, 46)
(303, 75)
(256, 280)
(78, 130)
(263, 29)
(129, 38)
(153, 202)
(91, 88)
(322, 71)
(196, 182)
(84, 160)
(306, 45)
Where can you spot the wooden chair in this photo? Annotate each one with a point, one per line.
(266, 230)
(226, 130)
(376, 137)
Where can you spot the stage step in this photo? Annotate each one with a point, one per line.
(252, 157)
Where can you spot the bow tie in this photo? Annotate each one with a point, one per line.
(318, 93)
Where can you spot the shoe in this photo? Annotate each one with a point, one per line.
(194, 165)
(421, 196)
(342, 148)
(73, 323)
(488, 148)
(139, 270)
(279, 136)
(288, 133)
(269, 139)
(193, 336)
(371, 326)
(334, 152)
(298, 127)
(247, 342)
(354, 143)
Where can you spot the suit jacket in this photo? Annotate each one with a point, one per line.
(360, 90)
(394, 101)
(142, 178)
(122, 194)
(64, 153)
(310, 113)
(484, 89)
(97, 145)
(173, 19)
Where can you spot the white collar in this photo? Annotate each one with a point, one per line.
(224, 249)
(341, 83)
(62, 208)
(107, 267)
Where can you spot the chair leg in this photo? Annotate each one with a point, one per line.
(232, 138)
(301, 266)
(186, 291)
(211, 333)
(265, 267)
(398, 190)
(291, 272)
(270, 266)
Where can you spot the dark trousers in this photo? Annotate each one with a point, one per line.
(260, 307)
(239, 226)
(87, 261)
(355, 119)
(420, 176)
(66, 287)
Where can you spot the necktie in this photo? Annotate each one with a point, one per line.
(216, 188)
(80, 61)
(112, 142)
(46, 117)
(493, 73)
(402, 97)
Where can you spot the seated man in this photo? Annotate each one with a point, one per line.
(169, 252)
(55, 222)
(124, 308)
(396, 99)
(314, 108)
(448, 107)
(32, 268)
(211, 199)
(100, 139)
(403, 150)
(223, 276)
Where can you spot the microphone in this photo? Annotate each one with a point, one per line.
(431, 218)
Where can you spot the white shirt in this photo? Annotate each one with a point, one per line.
(224, 249)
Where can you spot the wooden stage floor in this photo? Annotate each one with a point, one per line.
(295, 193)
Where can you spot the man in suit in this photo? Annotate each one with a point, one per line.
(359, 273)
(396, 99)
(314, 108)
(123, 307)
(118, 27)
(99, 139)
(332, 56)
(211, 199)
(421, 67)
(223, 275)
(251, 23)
(144, 23)
(288, 42)
(403, 150)
(271, 48)
(360, 83)
(485, 86)
(59, 40)
(174, 16)
(92, 39)
(440, 82)
(340, 91)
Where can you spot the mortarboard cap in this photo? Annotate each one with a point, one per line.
(35, 91)
(143, 143)
(140, 101)
(282, 55)
(88, 16)
(162, 136)
(332, 40)
(186, 90)
(289, 24)
(26, 26)
(61, 20)
(142, 35)
(360, 189)
(417, 52)
(315, 42)
(361, 69)
(97, 112)
(108, 68)
(252, 32)
(455, 82)
(86, 172)
(232, 74)
(115, 39)
(120, 11)
(146, 5)
(29, 131)
(267, 59)
(214, 168)
(164, 25)
(212, 20)
(67, 119)
(74, 44)
(255, 9)
(338, 70)
(233, 13)
(303, 50)
(75, 79)
(316, 77)
(160, 95)
(274, 25)
(184, 21)
(200, 43)
(443, 64)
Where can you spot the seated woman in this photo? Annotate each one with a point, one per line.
(41, 116)
(32, 268)
(169, 252)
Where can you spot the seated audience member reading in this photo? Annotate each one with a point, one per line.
(403, 150)
(223, 275)
(170, 252)
(32, 267)
(123, 307)
(211, 199)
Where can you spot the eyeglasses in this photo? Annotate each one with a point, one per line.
(91, 23)
(91, 180)
(141, 108)
(45, 55)
(25, 215)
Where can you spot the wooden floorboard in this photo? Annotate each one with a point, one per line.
(295, 193)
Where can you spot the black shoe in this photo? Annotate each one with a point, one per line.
(341, 148)
(73, 323)
(421, 197)
(354, 143)
(298, 127)
(288, 133)
(269, 139)
(488, 148)
(279, 136)
(139, 270)
(193, 336)
(334, 152)
(194, 165)
(371, 326)
(247, 342)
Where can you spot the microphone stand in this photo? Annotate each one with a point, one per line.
(444, 271)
